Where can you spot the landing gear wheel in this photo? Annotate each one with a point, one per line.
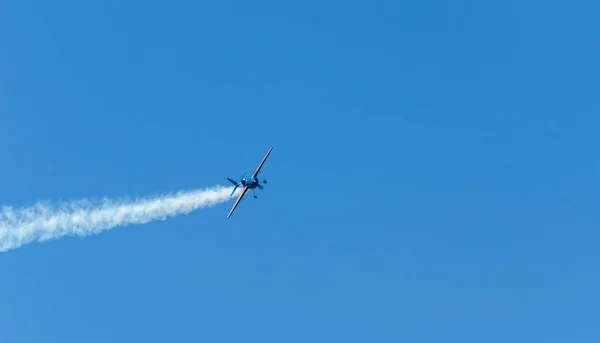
(264, 181)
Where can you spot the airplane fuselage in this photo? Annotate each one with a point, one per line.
(250, 183)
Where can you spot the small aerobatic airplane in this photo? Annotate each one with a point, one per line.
(250, 183)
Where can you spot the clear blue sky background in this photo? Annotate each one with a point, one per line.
(434, 176)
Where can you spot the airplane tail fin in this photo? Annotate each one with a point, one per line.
(236, 184)
(234, 188)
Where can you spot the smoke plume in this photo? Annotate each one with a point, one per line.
(45, 221)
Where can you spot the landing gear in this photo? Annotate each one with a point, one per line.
(264, 181)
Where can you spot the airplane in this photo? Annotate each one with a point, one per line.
(249, 184)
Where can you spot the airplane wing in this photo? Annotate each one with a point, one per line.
(261, 164)
(238, 201)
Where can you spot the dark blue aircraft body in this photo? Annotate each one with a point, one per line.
(243, 182)
(248, 183)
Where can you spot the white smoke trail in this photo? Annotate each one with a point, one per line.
(45, 221)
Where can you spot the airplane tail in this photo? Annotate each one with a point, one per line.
(234, 188)
(236, 184)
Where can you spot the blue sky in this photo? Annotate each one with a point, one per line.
(434, 174)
